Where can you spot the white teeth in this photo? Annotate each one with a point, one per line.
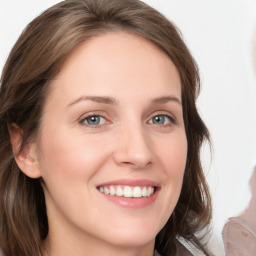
(144, 191)
(149, 191)
(127, 191)
(119, 191)
(106, 190)
(136, 192)
(112, 191)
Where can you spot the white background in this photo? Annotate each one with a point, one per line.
(219, 34)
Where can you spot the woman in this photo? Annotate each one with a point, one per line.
(100, 136)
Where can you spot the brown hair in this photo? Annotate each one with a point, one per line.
(35, 59)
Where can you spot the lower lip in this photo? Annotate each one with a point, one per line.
(132, 202)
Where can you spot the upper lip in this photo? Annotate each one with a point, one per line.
(130, 182)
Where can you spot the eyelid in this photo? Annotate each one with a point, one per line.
(93, 114)
(83, 117)
(88, 117)
(168, 115)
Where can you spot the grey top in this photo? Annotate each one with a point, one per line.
(181, 251)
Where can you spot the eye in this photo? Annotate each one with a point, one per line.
(161, 120)
(93, 120)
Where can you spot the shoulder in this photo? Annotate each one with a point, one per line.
(182, 250)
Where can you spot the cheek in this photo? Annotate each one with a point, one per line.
(61, 169)
(68, 164)
(173, 155)
(70, 158)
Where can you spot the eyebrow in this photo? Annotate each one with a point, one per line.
(165, 99)
(112, 101)
(97, 99)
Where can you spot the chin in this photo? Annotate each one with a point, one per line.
(133, 236)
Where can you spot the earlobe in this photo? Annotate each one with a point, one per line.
(25, 156)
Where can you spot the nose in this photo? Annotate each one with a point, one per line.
(133, 148)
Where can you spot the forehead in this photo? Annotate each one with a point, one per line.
(117, 61)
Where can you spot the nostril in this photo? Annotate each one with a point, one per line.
(137, 164)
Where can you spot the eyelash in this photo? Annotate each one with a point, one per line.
(90, 125)
(172, 120)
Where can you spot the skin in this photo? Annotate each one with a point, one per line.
(73, 158)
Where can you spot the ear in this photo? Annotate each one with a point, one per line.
(25, 157)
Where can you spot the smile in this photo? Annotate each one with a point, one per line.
(127, 191)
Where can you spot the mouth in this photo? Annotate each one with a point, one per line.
(128, 191)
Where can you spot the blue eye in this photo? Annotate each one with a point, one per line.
(161, 119)
(93, 120)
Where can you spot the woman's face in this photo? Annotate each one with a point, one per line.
(112, 123)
